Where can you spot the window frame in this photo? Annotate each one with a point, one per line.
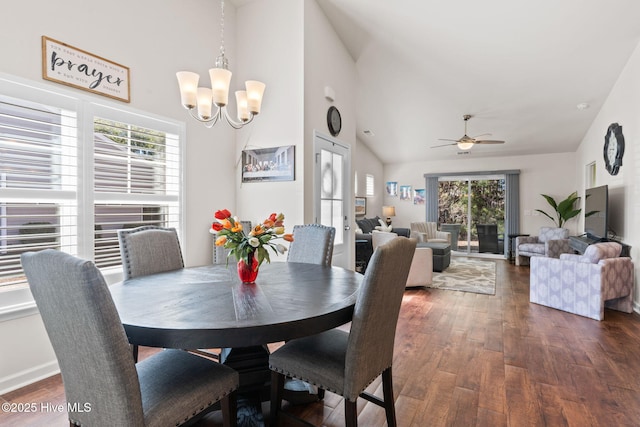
(17, 301)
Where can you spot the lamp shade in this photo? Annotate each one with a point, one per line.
(188, 83)
(255, 90)
(220, 81)
(204, 103)
(243, 109)
(388, 211)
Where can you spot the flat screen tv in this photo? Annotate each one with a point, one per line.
(596, 212)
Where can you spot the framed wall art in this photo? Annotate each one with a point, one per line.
(392, 189)
(70, 66)
(361, 205)
(269, 164)
(405, 192)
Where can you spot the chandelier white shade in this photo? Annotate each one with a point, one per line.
(200, 101)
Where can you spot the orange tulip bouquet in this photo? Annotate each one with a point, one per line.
(250, 250)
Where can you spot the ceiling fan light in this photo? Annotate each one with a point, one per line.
(465, 145)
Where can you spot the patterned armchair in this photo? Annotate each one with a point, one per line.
(428, 232)
(551, 242)
(584, 284)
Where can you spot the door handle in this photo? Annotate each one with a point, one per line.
(347, 227)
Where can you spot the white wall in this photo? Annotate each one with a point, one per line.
(366, 162)
(622, 107)
(286, 44)
(270, 49)
(154, 42)
(326, 63)
(552, 174)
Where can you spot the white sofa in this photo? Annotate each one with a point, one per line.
(421, 270)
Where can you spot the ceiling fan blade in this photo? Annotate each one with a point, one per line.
(444, 145)
(489, 141)
(444, 139)
(484, 134)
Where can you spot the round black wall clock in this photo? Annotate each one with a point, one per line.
(334, 121)
(613, 148)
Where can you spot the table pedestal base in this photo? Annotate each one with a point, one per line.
(252, 364)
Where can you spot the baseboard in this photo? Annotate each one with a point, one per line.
(28, 376)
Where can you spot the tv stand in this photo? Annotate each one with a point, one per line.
(580, 244)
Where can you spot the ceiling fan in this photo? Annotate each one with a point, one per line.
(466, 142)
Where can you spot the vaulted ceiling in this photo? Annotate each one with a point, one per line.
(519, 67)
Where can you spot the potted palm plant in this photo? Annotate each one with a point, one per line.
(564, 211)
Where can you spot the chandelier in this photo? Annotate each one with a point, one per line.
(200, 100)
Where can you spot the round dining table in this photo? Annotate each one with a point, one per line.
(208, 307)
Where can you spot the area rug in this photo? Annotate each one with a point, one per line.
(467, 275)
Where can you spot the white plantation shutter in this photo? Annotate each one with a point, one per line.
(73, 172)
(136, 178)
(38, 180)
(370, 185)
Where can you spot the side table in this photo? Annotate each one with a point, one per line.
(512, 238)
(363, 249)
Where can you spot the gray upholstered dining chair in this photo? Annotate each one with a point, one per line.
(347, 362)
(149, 249)
(312, 244)
(168, 388)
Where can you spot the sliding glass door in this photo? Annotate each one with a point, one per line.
(472, 209)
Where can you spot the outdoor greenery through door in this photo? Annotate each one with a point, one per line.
(473, 209)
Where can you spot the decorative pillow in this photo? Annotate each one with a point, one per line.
(364, 225)
(373, 222)
(367, 225)
(383, 226)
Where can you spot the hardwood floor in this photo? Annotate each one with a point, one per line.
(465, 359)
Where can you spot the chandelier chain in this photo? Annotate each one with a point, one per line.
(222, 27)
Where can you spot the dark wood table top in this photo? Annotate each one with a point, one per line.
(208, 307)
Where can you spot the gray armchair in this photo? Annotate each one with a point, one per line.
(551, 242)
(168, 388)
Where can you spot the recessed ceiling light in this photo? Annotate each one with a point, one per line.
(368, 132)
(582, 106)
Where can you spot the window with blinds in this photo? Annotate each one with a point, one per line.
(49, 198)
(38, 180)
(369, 185)
(136, 182)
